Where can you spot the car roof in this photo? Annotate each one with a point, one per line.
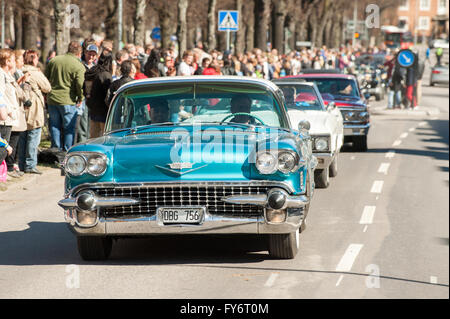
(199, 79)
(320, 75)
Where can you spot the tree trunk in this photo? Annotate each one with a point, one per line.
(314, 24)
(212, 43)
(166, 22)
(291, 28)
(327, 11)
(249, 21)
(18, 30)
(279, 16)
(262, 16)
(30, 23)
(111, 23)
(182, 25)
(45, 29)
(61, 40)
(240, 36)
(139, 22)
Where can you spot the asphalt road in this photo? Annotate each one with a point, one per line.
(381, 230)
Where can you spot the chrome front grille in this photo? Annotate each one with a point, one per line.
(182, 196)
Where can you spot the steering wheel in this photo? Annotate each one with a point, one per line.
(242, 113)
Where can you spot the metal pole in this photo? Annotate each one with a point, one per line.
(228, 40)
(3, 24)
(119, 23)
(416, 22)
(355, 17)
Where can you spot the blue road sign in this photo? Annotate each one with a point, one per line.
(406, 58)
(228, 20)
(156, 33)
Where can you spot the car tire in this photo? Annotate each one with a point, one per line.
(322, 177)
(334, 167)
(360, 143)
(94, 248)
(378, 97)
(284, 246)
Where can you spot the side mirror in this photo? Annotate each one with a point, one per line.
(304, 125)
(331, 106)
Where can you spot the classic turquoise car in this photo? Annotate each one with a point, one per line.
(191, 155)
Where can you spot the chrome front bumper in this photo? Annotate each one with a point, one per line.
(148, 224)
(324, 159)
(356, 129)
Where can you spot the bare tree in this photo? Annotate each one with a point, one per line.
(139, 22)
(61, 39)
(182, 25)
(30, 20)
(279, 16)
(262, 18)
(240, 36)
(212, 43)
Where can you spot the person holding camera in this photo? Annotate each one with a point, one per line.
(36, 86)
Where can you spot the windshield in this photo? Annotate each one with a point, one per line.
(188, 102)
(301, 97)
(336, 87)
(372, 60)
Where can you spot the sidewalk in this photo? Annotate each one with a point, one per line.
(419, 111)
(13, 183)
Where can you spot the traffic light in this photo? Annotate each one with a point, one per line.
(356, 35)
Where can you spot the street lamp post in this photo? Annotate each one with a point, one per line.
(3, 24)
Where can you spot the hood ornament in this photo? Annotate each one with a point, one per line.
(179, 168)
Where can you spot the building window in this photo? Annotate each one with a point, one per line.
(442, 6)
(424, 5)
(402, 22)
(424, 23)
(404, 5)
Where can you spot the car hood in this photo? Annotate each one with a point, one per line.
(320, 120)
(343, 101)
(207, 155)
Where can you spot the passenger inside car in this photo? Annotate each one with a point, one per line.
(159, 111)
(242, 104)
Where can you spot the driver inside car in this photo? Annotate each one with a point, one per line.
(242, 104)
(159, 111)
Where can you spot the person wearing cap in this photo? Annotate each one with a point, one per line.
(89, 60)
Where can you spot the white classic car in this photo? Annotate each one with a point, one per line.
(304, 102)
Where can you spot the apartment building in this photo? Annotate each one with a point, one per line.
(429, 18)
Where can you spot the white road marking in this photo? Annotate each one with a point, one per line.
(435, 118)
(422, 123)
(346, 262)
(390, 154)
(397, 143)
(271, 280)
(367, 215)
(384, 168)
(412, 129)
(352, 158)
(403, 135)
(339, 280)
(377, 186)
(433, 280)
(365, 228)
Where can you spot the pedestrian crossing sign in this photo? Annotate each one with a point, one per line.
(228, 20)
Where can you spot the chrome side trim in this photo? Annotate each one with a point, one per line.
(100, 202)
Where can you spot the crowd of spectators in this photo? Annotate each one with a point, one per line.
(72, 92)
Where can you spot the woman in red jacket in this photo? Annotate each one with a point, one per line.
(139, 75)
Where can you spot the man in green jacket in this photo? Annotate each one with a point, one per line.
(66, 76)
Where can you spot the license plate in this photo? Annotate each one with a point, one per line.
(181, 215)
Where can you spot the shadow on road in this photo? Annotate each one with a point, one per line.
(45, 243)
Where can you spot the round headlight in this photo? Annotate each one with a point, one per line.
(321, 144)
(363, 115)
(96, 165)
(266, 163)
(286, 162)
(75, 165)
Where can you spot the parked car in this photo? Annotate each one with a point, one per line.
(303, 101)
(344, 91)
(439, 75)
(439, 43)
(228, 162)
